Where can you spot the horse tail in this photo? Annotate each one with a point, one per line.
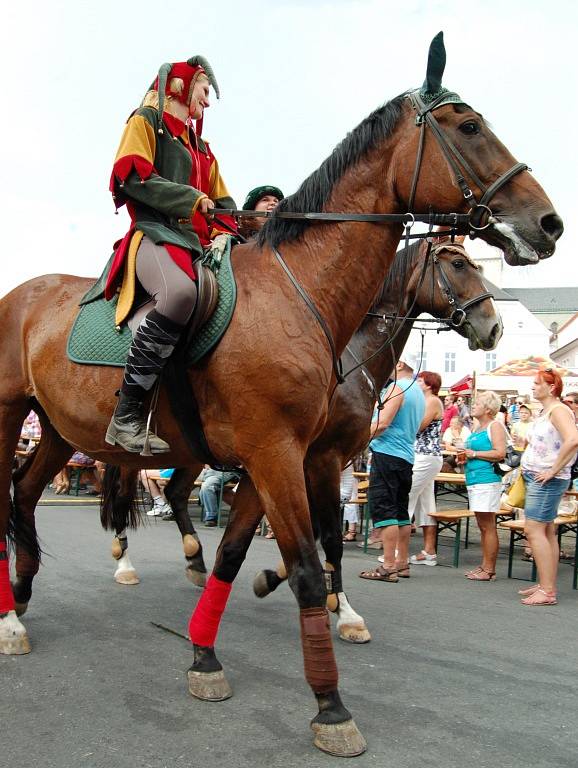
(21, 533)
(119, 505)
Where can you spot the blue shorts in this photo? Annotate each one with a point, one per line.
(542, 501)
(166, 473)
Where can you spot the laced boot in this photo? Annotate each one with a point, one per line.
(153, 344)
(128, 427)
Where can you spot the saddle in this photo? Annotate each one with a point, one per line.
(95, 340)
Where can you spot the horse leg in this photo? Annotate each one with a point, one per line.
(323, 477)
(118, 510)
(177, 492)
(283, 494)
(13, 637)
(206, 677)
(51, 454)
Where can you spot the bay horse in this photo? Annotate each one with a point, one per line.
(264, 395)
(445, 283)
(450, 285)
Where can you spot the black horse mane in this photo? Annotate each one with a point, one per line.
(398, 274)
(316, 189)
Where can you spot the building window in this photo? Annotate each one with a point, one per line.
(450, 362)
(422, 363)
(490, 361)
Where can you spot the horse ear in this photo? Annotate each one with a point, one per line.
(436, 63)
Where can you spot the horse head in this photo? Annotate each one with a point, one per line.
(507, 207)
(451, 287)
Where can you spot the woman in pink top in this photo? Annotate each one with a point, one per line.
(546, 466)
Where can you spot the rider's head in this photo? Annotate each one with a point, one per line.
(182, 89)
(264, 198)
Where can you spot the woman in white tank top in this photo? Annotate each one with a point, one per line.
(546, 466)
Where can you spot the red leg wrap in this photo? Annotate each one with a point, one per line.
(6, 596)
(204, 623)
(318, 656)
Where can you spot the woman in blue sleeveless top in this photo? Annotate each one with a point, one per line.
(486, 445)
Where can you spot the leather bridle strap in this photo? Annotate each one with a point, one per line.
(457, 162)
(459, 314)
(336, 362)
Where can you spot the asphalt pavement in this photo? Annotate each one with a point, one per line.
(457, 673)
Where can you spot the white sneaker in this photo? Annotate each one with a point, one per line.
(428, 559)
(157, 510)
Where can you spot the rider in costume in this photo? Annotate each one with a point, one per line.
(168, 178)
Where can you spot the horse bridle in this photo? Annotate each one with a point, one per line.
(460, 309)
(457, 162)
(459, 314)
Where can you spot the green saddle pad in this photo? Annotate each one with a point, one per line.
(94, 339)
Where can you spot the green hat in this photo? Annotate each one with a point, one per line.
(256, 194)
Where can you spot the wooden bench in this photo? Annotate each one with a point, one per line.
(565, 523)
(451, 520)
(455, 481)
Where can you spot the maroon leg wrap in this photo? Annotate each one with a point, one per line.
(6, 596)
(204, 623)
(318, 656)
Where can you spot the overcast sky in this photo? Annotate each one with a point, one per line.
(295, 76)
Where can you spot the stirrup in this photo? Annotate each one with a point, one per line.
(146, 448)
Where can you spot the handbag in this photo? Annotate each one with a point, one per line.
(510, 461)
(517, 494)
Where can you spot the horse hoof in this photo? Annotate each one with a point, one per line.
(20, 608)
(351, 633)
(128, 578)
(341, 740)
(260, 586)
(196, 577)
(13, 638)
(190, 545)
(209, 686)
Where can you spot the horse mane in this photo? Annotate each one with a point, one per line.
(316, 189)
(398, 274)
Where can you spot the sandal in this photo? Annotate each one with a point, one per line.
(350, 536)
(269, 535)
(540, 597)
(380, 574)
(528, 557)
(403, 571)
(480, 574)
(529, 591)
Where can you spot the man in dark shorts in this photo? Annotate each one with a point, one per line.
(394, 429)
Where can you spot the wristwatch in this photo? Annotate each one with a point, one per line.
(474, 454)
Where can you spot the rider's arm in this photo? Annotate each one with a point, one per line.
(134, 175)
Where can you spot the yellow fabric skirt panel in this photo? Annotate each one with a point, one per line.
(128, 287)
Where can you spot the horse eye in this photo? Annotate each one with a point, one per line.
(471, 128)
(458, 264)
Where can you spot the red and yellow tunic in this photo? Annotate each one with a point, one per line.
(162, 177)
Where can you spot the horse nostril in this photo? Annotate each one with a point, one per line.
(495, 332)
(552, 225)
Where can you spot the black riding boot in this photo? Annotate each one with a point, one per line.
(153, 344)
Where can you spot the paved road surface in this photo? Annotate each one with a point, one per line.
(457, 673)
